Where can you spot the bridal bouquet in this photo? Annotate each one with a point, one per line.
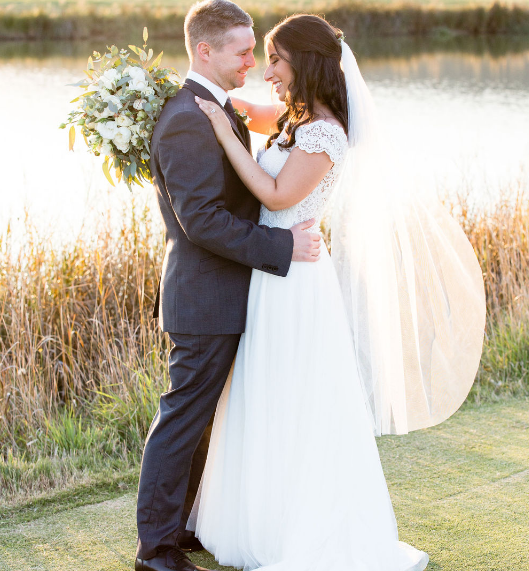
(123, 100)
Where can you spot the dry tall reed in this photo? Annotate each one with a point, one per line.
(75, 324)
(499, 234)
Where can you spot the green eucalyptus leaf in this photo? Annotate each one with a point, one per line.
(145, 35)
(107, 172)
(135, 50)
(123, 81)
(71, 138)
(80, 83)
(157, 61)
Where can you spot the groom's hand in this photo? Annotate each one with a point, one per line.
(306, 244)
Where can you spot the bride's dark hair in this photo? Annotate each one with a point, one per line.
(313, 49)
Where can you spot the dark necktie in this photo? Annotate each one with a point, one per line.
(230, 110)
(243, 133)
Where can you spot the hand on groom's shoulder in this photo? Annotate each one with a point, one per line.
(184, 120)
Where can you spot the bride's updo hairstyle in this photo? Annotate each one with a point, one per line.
(313, 49)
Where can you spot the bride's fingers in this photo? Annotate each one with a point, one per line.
(208, 107)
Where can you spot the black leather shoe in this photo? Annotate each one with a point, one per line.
(187, 541)
(171, 560)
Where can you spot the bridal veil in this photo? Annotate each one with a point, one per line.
(412, 285)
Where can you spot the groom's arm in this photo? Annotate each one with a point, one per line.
(191, 162)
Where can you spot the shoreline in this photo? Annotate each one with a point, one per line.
(356, 20)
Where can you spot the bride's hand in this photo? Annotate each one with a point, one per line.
(219, 120)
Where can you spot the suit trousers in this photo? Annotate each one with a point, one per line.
(176, 446)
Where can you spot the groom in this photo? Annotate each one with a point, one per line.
(212, 243)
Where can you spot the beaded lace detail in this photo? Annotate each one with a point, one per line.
(317, 137)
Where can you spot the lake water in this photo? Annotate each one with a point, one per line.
(460, 112)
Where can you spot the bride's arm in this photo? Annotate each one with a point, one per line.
(298, 178)
(263, 117)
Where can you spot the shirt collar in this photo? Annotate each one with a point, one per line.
(220, 95)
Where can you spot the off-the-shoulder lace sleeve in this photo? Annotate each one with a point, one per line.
(322, 137)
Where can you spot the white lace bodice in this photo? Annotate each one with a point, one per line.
(316, 137)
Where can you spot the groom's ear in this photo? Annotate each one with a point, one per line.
(203, 51)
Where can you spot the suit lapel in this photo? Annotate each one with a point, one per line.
(204, 93)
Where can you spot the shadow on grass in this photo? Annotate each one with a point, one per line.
(99, 490)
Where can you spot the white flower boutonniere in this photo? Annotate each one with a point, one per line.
(243, 116)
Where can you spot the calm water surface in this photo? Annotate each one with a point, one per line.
(459, 116)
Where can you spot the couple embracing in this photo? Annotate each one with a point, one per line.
(263, 450)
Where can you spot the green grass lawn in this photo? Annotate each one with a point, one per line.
(460, 492)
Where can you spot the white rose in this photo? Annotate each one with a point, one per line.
(149, 90)
(124, 121)
(138, 84)
(122, 139)
(104, 92)
(135, 140)
(123, 148)
(135, 129)
(138, 104)
(110, 77)
(106, 148)
(143, 133)
(108, 130)
(134, 72)
(113, 99)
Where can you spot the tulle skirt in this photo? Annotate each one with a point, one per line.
(293, 480)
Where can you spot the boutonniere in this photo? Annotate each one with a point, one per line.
(243, 116)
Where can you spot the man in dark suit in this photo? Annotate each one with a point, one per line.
(212, 243)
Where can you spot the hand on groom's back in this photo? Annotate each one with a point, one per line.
(306, 244)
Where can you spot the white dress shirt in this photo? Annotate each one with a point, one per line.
(220, 95)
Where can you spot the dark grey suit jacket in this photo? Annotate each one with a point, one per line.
(210, 219)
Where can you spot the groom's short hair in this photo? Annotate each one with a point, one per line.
(210, 21)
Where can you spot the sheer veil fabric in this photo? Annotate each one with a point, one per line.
(412, 286)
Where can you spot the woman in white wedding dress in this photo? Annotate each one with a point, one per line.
(293, 480)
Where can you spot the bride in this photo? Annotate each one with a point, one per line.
(293, 480)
